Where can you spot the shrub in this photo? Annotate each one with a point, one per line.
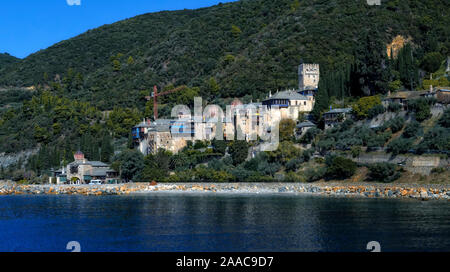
(293, 177)
(394, 107)
(412, 130)
(383, 172)
(374, 111)
(356, 151)
(341, 168)
(431, 62)
(345, 143)
(437, 139)
(219, 146)
(239, 151)
(421, 108)
(444, 121)
(294, 164)
(200, 144)
(346, 125)
(325, 145)
(438, 170)
(363, 105)
(396, 124)
(287, 127)
(315, 174)
(399, 146)
(309, 136)
(378, 141)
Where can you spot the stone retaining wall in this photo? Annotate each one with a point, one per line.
(415, 164)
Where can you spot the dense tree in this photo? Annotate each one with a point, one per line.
(129, 164)
(322, 101)
(156, 166)
(219, 146)
(431, 62)
(383, 172)
(287, 127)
(412, 130)
(371, 69)
(362, 107)
(445, 119)
(406, 65)
(421, 109)
(340, 168)
(239, 151)
(399, 146)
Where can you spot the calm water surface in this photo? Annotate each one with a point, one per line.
(186, 222)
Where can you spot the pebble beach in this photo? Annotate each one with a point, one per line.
(372, 190)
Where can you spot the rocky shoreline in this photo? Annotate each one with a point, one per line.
(422, 192)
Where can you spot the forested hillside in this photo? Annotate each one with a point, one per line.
(6, 59)
(90, 90)
(246, 47)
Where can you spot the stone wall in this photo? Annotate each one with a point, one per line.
(414, 164)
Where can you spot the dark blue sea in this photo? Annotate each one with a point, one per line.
(188, 222)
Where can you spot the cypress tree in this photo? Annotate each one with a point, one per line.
(322, 100)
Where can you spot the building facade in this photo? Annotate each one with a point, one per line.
(336, 116)
(246, 122)
(82, 171)
(308, 77)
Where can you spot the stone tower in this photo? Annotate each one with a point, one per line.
(308, 76)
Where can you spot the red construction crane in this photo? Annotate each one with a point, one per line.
(155, 96)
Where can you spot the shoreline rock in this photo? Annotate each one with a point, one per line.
(420, 192)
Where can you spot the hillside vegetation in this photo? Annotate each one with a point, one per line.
(6, 59)
(90, 90)
(246, 47)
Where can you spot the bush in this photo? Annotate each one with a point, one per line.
(394, 107)
(315, 174)
(294, 164)
(200, 145)
(363, 105)
(412, 130)
(383, 172)
(239, 151)
(437, 139)
(346, 125)
(444, 121)
(219, 146)
(421, 108)
(399, 146)
(309, 136)
(293, 177)
(396, 124)
(325, 145)
(356, 151)
(438, 170)
(378, 141)
(341, 168)
(287, 127)
(375, 111)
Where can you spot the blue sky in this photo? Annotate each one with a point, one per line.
(26, 26)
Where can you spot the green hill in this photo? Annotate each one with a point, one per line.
(92, 87)
(6, 59)
(248, 47)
